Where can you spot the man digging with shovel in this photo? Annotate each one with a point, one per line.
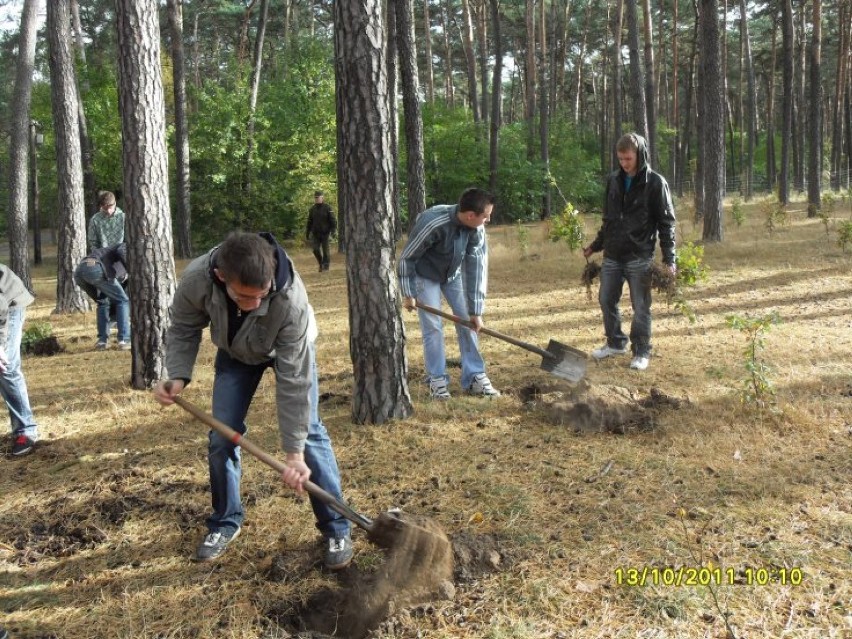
(250, 295)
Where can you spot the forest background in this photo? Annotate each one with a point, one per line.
(575, 73)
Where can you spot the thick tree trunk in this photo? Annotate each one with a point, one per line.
(146, 186)
(393, 113)
(19, 143)
(183, 212)
(677, 167)
(787, 101)
(90, 187)
(470, 58)
(712, 87)
(71, 219)
(415, 164)
(377, 334)
(637, 77)
(815, 114)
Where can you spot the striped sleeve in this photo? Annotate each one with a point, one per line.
(476, 272)
(423, 236)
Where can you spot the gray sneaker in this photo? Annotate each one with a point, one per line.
(215, 543)
(481, 386)
(438, 388)
(339, 553)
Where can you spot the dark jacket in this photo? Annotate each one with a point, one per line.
(632, 221)
(279, 331)
(113, 259)
(321, 221)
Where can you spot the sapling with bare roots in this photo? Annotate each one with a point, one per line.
(758, 388)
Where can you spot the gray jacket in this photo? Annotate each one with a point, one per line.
(439, 248)
(281, 330)
(12, 293)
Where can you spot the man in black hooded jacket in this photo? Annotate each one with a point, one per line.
(637, 209)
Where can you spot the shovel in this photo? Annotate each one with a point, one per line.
(387, 530)
(563, 361)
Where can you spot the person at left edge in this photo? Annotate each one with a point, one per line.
(14, 299)
(249, 293)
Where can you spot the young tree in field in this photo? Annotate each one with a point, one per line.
(787, 100)
(637, 77)
(183, 212)
(415, 166)
(377, 334)
(146, 186)
(19, 143)
(750, 103)
(713, 156)
(69, 172)
(815, 114)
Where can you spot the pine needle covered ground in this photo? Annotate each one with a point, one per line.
(550, 494)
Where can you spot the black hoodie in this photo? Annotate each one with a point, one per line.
(632, 220)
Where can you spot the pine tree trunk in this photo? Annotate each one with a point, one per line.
(787, 101)
(377, 334)
(544, 116)
(415, 164)
(146, 186)
(449, 85)
(771, 170)
(90, 188)
(66, 124)
(799, 104)
(815, 115)
(393, 113)
(650, 90)
(470, 58)
(19, 144)
(481, 12)
(637, 77)
(496, 100)
(183, 212)
(257, 68)
(750, 106)
(840, 93)
(530, 77)
(617, 115)
(427, 44)
(578, 66)
(712, 95)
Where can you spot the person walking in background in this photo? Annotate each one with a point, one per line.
(321, 226)
(14, 299)
(637, 209)
(447, 253)
(106, 228)
(249, 293)
(102, 274)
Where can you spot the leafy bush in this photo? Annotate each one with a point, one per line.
(844, 235)
(690, 264)
(568, 227)
(33, 334)
(737, 213)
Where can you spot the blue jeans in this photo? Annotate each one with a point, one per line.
(92, 279)
(233, 389)
(13, 386)
(636, 274)
(429, 293)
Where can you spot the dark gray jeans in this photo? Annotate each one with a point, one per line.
(636, 274)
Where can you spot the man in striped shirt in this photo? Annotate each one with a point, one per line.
(447, 253)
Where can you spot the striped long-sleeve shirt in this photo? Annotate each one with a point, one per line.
(440, 248)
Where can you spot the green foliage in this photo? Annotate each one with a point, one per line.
(737, 213)
(523, 239)
(757, 387)
(844, 235)
(829, 199)
(568, 227)
(33, 334)
(690, 264)
(775, 213)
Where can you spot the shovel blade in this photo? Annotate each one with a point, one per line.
(564, 361)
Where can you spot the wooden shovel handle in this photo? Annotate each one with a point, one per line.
(487, 331)
(238, 440)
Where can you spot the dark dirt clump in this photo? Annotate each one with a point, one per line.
(45, 346)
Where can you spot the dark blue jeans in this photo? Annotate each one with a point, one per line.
(233, 389)
(636, 274)
(91, 277)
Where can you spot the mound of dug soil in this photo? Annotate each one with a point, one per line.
(601, 408)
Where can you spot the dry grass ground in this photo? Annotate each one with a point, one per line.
(96, 527)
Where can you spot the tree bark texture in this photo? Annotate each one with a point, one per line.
(544, 115)
(470, 58)
(839, 93)
(496, 99)
(146, 179)
(787, 100)
(392, 39)
(480, 8)
(815, 114)
(183, 211)
(377, 334)
(650, 90)
(617, 72)
(637, 76)
(750, 106)
(69, 171)
(19, 143)
(427, 46)
(712, 86)
(415, 163)
(449, 84)
(257, 68)
(90, 187)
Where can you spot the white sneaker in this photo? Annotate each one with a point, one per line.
(639, 363)
(438, 388)
(607, 351)
(481, 385)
